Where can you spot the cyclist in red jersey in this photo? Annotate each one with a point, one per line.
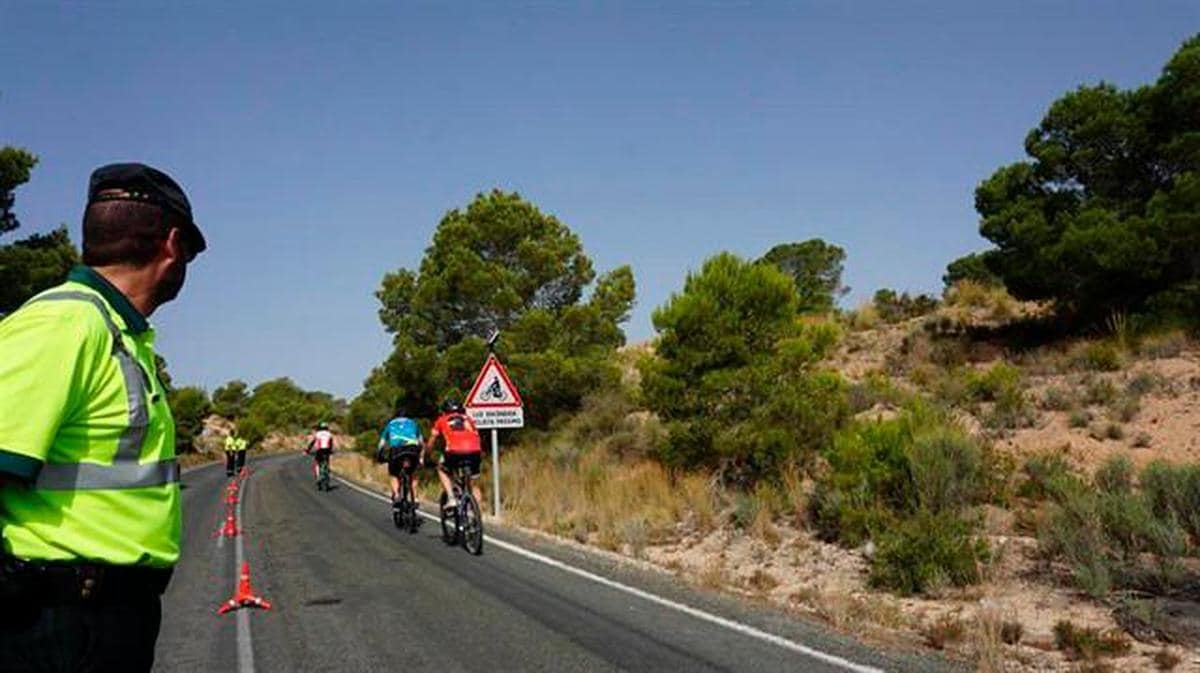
(461, 437)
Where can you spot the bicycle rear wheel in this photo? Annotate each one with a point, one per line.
(410, 506)
(449, 529)
(472, 525)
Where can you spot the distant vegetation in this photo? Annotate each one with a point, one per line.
(35, 263)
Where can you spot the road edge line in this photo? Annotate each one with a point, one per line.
(738, 627)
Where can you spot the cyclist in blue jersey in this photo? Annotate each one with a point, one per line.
(400, 443)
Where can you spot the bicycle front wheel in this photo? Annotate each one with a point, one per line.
(472, 526)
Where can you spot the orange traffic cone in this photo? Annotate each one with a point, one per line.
(244, 597)
(230, 529)
(231, 494)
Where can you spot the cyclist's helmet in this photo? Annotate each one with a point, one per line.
(322, 425)
(451, 406)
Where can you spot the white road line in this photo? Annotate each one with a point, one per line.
(245, 648)
(744, 629)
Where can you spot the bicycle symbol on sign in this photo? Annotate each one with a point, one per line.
(494, 391)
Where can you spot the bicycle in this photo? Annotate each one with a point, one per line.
(404, 510)
(323, 472)
(464, 523)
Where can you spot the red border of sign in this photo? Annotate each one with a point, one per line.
(504, 375)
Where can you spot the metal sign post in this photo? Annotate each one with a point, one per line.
(494, 403)
(495, 472)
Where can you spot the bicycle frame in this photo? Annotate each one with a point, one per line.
(460, 479)
(404, 510)
(322, 469)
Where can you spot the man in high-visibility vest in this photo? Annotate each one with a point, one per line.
(89, 484)
(235, 453)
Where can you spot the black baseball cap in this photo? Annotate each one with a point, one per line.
(139, 182)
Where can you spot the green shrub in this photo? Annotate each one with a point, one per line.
(1088, 643)
(1099, 392)
(951, 388)
(947, 469)
(1048, 476)
(1057, 398)
(1107, 431)
(1002, 386)
(1145, 383)
(745, 510)
(1115, 475)
(894, 307)
(1174, 492)
(991, 384)
(366, 442)
(846, 516)
(1011, 410)
(927, 552)
(1097, 356)
(875, 389)
(1080, 418)
(949, 352)
(900, 481)
(1124, 408)
(1112, 538)
(868, 478)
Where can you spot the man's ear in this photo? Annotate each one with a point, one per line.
(173, 246)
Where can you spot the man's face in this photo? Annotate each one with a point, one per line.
(174, 271)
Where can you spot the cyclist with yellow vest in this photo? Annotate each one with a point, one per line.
(89, 484)
(235, 453)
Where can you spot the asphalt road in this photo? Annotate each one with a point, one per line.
(352, 593)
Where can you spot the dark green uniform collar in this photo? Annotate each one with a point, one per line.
(135, 322)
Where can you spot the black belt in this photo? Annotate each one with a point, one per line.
(54, 583)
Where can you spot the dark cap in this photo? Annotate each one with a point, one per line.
(139, 182)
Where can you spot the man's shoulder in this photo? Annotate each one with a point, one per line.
(69, 305)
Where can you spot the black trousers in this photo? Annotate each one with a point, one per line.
(79, 637)
(234, 461)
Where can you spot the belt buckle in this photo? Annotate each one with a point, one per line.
(89, 581)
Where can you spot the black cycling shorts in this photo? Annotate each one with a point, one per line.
(471, 460)
(401, 460)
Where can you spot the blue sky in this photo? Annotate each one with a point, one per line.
(321, 143)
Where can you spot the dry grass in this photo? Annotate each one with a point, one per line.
(359, 468)
(713, 576)
(596, 498)
(990, 633)
(1089, 644)
(1164, 345)
(762, 582)
(848, 611)
(944, 631)
(865, 317)
(1166, 659)
(968, 296)
(969, 293)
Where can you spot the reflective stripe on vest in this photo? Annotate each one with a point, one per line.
(126, 471)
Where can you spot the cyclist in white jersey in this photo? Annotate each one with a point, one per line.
(320, 445)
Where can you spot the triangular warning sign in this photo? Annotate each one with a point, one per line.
(493, 389)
